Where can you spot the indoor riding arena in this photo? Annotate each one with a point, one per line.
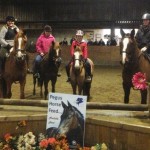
(110, 123)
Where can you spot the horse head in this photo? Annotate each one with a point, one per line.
(55, 54)
(128, 46)
(19, 45)
(77, 58)
(71, 119)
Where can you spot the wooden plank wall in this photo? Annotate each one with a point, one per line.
(101, 55)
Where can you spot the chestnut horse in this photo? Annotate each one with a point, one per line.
(15, 69)
(77, 74)
(133, 61)
(49, 69)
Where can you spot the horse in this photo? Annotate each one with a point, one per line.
(71, 125)
(49, 69)
(15, 68)
(133, 61)
(77, 73)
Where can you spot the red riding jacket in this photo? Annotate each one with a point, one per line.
(83, 46)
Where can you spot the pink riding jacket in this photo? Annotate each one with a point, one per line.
(43, 43)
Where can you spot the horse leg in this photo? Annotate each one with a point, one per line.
(86, 89)
(41, 88)
(80, 89)
(46, 89)
(22, 86)
(74, 88)
(34, 84)
(143, 96)
(53, 85)
(3, 88)
(9, 94)
(126, 89)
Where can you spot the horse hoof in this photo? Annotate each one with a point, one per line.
(59, 75)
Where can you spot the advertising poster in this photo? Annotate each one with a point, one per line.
(66, 115)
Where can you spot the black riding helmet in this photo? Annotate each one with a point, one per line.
(48, 28)
(10, 18)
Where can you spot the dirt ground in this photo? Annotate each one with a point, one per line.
(106, 86)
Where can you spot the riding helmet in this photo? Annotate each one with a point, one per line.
(10, 18)
(79, 32)
(48, 28)
(146, 16)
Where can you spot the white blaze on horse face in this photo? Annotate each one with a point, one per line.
(19, 43)
(77, 62)
(19, 54)
(125, 43)
(57, 52)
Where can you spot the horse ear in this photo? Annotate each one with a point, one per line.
(122, 32)
(63, 105)
(132, 33)
(69, 105)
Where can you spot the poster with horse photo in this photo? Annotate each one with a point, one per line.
(66, 116)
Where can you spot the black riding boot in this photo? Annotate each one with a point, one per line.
(36, 69)
(88, 72)
(68, 72)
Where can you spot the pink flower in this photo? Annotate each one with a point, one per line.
(139, 81)
(51, 141)
(43, 143)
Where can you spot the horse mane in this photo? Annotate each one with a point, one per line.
(78, 114)
(21, 33)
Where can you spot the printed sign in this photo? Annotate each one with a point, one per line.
(66, 115)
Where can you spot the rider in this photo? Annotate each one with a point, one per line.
(7, 34)
(143, 34)
(42, 47)
(80, 42)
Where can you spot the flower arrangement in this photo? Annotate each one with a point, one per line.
(29, 141)
(139, 81)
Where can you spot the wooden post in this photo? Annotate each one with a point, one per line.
(149, 99)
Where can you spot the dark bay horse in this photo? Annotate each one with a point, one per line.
(71, 125)
(49, 69)
(15, 69)
(133, 61)
(77, 74)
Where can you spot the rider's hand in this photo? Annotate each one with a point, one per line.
(8, 47)
(42, 54)
(143, 49)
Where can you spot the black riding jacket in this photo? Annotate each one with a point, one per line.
(143, 37)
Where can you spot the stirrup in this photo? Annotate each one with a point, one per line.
(37, 75)
(29, 71)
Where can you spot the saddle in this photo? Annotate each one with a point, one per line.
(146, 55)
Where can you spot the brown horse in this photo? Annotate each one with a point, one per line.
(77, 74)
(49, 68)
(133, 61)
(16, 66)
